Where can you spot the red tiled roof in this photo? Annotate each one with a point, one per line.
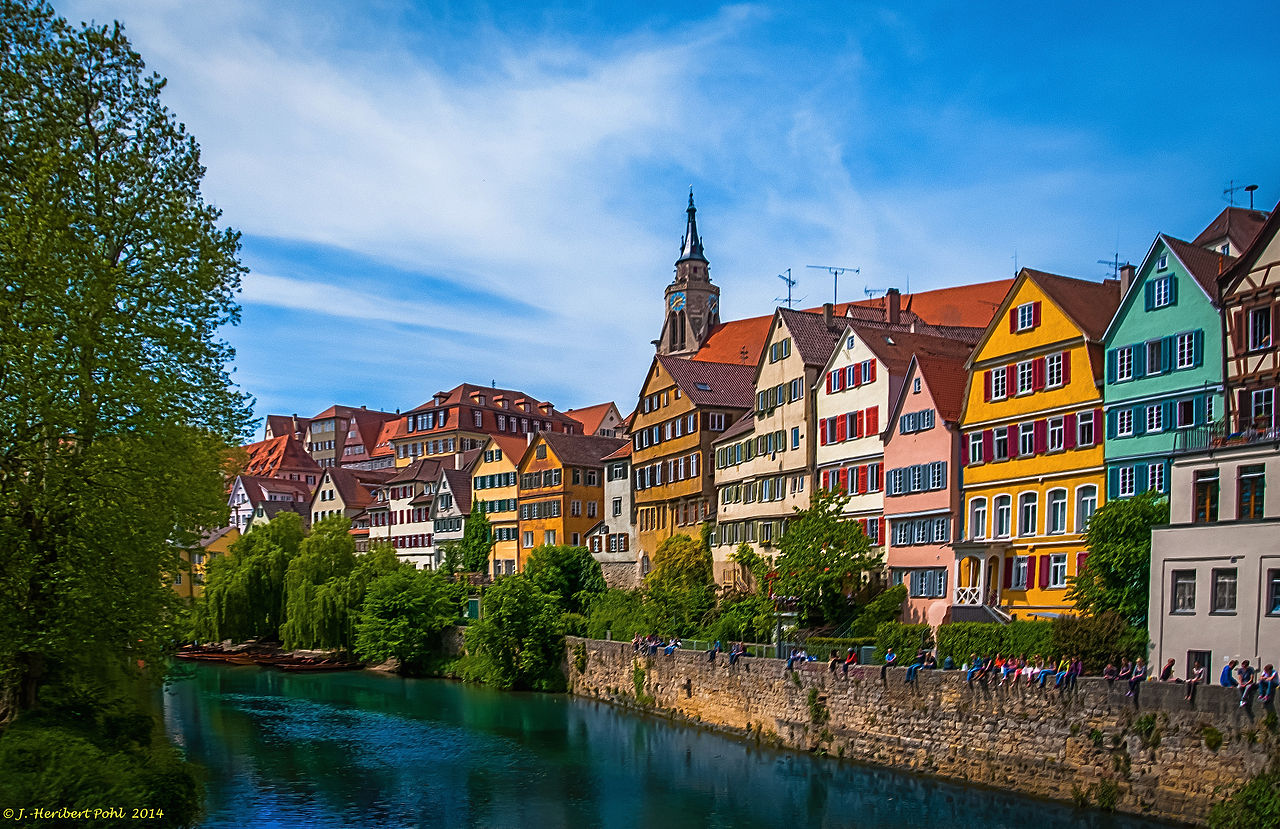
(1251, 254)
(623, 453)
(287, 424)
(460, 485)
(1090, 305)
(946, 377)
(391, 429)
(257, 487)
(896, 348)
(425, 469)
(737, 342)
(512, 446)
(582, 450)
(592, 416)
(348, 411)
(267, 458)
(1204, 265)
(356, 486)
(713, 384)
(1240, 225)
(965, 306)
(463, 393)
(814, 339)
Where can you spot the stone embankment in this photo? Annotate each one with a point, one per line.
(1158, 756)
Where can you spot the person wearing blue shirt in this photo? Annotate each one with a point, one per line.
(889, 658)
(1228, 678)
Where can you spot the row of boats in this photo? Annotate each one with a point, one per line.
(279, 661)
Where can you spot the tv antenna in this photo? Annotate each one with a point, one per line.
(790, 283)
(1114, 261)
(873, 292)
(835, 271)
(1229, 192)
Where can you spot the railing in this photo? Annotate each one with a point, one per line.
(754, 649)
(969, 595)
(1215, 436)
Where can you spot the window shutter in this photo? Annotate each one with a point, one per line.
(1010, 380)
(988, 445)
(1140, 478)
(1169, 415)
(1069, 431)
(859, 423)
(826, 479)
(862, 479)
(986, 385)
(1111, 366)
(1111, 424)
(873, 420)
(857, 374)
(1035, 314)
(1237, 331)
(872, 374)
(843, 478)
(964, 450)
(1113, 482)
(1139, 420)
(1044, 572)
(1243, 414)
(1007, 563)
(943, 474)
(829, 382)
(1081, 558)
(1198, 412)
(842, 429)
(1166, 353)
(1139, 360)
(1097, 426)
(1197, 347)
(1066, 367)
(1149, 295)
(1037, 374)
(1013, 320)
(1031, 570)
(822, 431)
(1039, 433)
(1173, 291)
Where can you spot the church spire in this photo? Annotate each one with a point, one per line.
(691, 245)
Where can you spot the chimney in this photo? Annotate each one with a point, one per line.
(827, 311)
(892, 306)
(1126, 277)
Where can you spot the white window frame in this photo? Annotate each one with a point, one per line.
(1086, 506)
(1053, 369)
(1026, 440)
(975, 448)
(1055, 437)
(978, 519)
(1002, 509)
(1028, 507)
(999, 383)
(1124, 423)
(1026, 316)
(1056, 512)
(1018, 580)
(1155, 477)
(1058, 570)
(1124, 363)
(1026, 377)
(1162, 293)
(1185, 349)
(1125, 483)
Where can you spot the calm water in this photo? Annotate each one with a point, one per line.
(367, 750)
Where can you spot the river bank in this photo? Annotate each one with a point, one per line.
(1094, 746)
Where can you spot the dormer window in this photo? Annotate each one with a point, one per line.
(1163, 262)
(1226, 249)
(851, 342)
(1026, 316)
(915, 386)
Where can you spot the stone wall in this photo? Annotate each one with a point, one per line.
(1093, 745)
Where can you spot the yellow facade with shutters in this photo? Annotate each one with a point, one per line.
(1032, 449)
(494, 486)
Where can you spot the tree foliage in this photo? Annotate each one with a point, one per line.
(680, 563)
(823, 556)
(244, 590)
(403, 616)
(571, 575)
(477, 540)
(1254, 806)
(114, 393)
(518, 643)
(1116, 574)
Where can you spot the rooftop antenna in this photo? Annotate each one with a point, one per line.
(835, 271)
(1114, 261)
(873, 292)
(1015, 260)
(1229, 192)
(790, 283)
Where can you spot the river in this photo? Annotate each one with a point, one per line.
(369, 750)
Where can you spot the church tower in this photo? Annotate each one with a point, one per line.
(692, 302)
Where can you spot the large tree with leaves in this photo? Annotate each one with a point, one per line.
(822, 558)
(477, 540)
(115, 399)
(569, 574)
(244, 590)
(1117, 571)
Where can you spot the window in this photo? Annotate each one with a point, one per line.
(1162, 263)
(1259, 328)
(1155, 418)
(1206, 497)
(978, 519)
(915, 386)
(1000, 443)
(1125, 477)
(478, 417)
(1026, 316)
(1084, 429)
(901, 533)
(1086, 505)
(716, 422)
(1251, 487)
(999, 378)
(797, 390)
(1057, 511)
(1026, 439)
(941, 530)
(1124, 422)
(1186, 413)
(1161, 292)
(1026, 377)
(1058, 570)
(1263, 400)
(795, 437)
(1155, 357)
(541, 452)
(1155, 477)
(937, 475)
(1184, 592)
(1018, 580)
(549, 537)
(975, 448)
(1224, 591)
(1027, 509)
(1185, 348)
(1124, 364)
(922, 531)
(1273, 592)
(1056, 433)
(1053, 369)
(591, 509)
(527, 541)
(1004, 516)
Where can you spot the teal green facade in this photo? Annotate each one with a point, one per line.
(1164, 363)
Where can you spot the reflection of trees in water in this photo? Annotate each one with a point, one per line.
(432, 753)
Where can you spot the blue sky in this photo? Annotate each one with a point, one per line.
(433, 193)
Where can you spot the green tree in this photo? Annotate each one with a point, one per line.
(244, 590)
(821, 557)
(403, 616)
(570, 574)
(1116, 573)
(477, 540)
(754, 563)
(1256, 805)
(680, 563)
(518, 643)
(114, 393)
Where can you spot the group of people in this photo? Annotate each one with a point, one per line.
(1037, 670)
(1248, 679)
(650, 644)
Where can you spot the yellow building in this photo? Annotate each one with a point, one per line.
(188, 581)
(494, 489)
(1032, 447)
(561, 488)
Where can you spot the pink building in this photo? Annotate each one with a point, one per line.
(922, 495)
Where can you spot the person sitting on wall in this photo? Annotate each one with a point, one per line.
(1126, 670)
(1197, 677)
(1246, 675)
(1166, 673)
(975, 668)
(1228, 677)
(850, 659)
(948, 664)
(834, 662)
(930, 661)
(1267, 684)
(915, 666)
(1135, 681)
(1074, 672)
(1110, 673)
(889, 658)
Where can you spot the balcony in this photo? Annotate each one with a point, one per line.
(1215, 436)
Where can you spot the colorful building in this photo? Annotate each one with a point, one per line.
(613, 541)
(188, 580)
(495, 490)
(1033, 447)
(400, 514)
(561, 488)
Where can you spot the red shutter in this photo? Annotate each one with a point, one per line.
(1044, 572)
(826, 479)
(1031, 570)
(1243, 415)
(964, 450)
(1080, 559)
(1039, 433)
(1035, 314)
(829, 382)
(857, 374)
(1007, 563)
(1066, 367)
(842, 429)
(986, 385)
(822, 431)
(1069, 431)
(988, 445)
(1013, 321)
(1097, 427)
(859, 423)
(873, 420)
(872, 376)
(1237, 331)
(1037, 373)
(862, 479)
(1010, 380)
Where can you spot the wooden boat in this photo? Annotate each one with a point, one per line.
(297, 667)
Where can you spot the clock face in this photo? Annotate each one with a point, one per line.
(713, 303)
(677, 301)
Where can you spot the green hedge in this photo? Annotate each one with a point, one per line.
(821, 646)
(960, 639)
(904, 639)
(1096, 639)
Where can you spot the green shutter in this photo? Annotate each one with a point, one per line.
(1139, 361)
(1113, 482)
(1167, 346)
(1198, 410)
(1149, 294)
(1197, 347)
(1111, 424)
(1140, 478)
(1173, 291)
(1111, 366)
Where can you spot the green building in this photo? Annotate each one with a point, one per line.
(1164, 363)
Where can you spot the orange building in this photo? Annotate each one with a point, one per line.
(561, 488)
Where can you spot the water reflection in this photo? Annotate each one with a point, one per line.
(359, 749)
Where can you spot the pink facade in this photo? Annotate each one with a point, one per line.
(922, 490)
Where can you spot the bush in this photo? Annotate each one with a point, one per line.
(960, 639)
(740, 617)
(518, 643)
(621, 613)
(1098, 639)
(904, 639)
(886, 607)
(821, 645)
(1254, 806)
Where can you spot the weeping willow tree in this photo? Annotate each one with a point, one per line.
(244, 590)
(325, 585)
